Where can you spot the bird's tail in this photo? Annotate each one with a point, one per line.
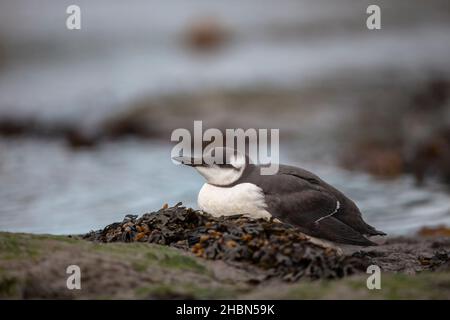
(374, 232)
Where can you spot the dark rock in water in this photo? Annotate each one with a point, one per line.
(206, 34)
(422, 150)
(432, 157)
(279, 250)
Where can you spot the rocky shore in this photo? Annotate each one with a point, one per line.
(178, 252)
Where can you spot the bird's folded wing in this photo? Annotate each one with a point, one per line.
(313, 213)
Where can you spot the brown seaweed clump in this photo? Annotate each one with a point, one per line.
(277, 249)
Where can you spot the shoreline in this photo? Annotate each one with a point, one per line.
(34, 266)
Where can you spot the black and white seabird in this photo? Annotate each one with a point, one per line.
(292, 195)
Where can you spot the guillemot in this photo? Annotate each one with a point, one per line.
(292, 195)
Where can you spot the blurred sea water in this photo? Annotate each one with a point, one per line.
(133, 49)
(49, 188)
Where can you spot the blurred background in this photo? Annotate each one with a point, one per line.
(86, 115)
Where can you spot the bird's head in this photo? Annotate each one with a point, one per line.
(219, 166)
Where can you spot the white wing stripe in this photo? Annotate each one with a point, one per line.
(338, 205)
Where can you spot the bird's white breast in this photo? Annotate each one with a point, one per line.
(244, 198)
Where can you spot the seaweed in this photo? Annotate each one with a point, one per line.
(279, 249)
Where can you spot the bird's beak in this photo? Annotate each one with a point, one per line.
(189, 161)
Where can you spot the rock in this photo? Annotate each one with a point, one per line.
(206, 34)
